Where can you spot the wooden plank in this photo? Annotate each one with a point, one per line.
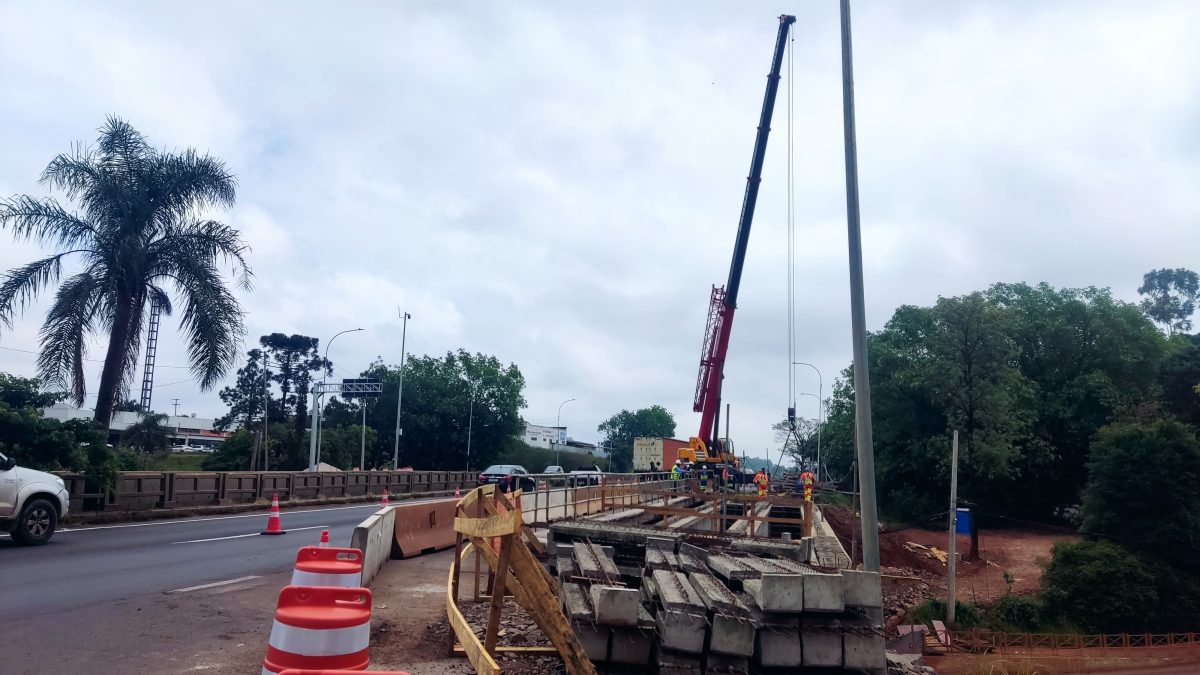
(533, 540)
(483, 663)
(497, 602)
(491, 526)
(514, 649)
(547, 609)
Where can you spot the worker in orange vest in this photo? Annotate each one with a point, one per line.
(761, 480)
(808, 479)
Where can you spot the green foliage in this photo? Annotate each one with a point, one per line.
(25, 392)
(294, 361)
(798, 445)
(966, 615)
(1016, 614)
(139, 231)
(181, 461)
(233, 454)
(1026, 374)
(535, 460)
(149, 435)
(246, 397)
(1100, 587)
(1171, 296)
(620, 430)
(1179, 374)
(37, 442)
(341, 446)
(1143, 489)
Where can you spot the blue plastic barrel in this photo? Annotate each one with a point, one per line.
(962, 521)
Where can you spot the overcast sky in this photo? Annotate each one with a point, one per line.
(558, 184)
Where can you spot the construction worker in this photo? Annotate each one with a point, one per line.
(808, 480)
(725, 486)
(761, 480)
(677, 471)
(704, 480)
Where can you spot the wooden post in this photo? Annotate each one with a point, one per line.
(808, 519)
(497, 591)
(950, 555)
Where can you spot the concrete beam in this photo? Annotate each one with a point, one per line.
(715, 596)
(575, 602)
(778, 592)
(681, 631)
(821, 641)
(862, 588)
(674, 591)
(615, 606)
(594, 639)
(824, 593)
(594, 562)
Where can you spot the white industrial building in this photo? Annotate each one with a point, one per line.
(187, 431)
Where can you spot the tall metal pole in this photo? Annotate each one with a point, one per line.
(362, 454)
(400, 394)
(557, 424)
(951, 556)
(470, 424)
(324, 370)
(820, 409)
(266, 411)
(312, 435)
(858, 318)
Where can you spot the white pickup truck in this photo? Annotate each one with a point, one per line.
(31, 503)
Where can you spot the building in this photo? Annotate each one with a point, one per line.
(187, 431)
(544, 437)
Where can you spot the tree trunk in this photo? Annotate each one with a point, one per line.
(114, 361)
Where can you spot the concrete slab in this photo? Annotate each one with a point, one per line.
(733, 636)
(632, 646)
(821, 641)
(824, 593)
(732, 568)
(615, 606)
(675, 663)
(681, 631)
(693, 558)
(565, 565)
(660, 559)
(863, 645)
(783, 593)
(720, 664)
(575, 602)
(594, 639)
(715, 596)
(676, 592)
(862, 589)
(594, 563)
(778, 644)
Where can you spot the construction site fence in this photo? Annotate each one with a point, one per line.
(145, 490)
(554, 496)
(1123, 644)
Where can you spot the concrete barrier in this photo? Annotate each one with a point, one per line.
(375, 538)
(424, 527)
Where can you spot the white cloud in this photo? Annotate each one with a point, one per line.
(559, 185)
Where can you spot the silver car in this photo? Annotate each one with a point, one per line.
(32, 503)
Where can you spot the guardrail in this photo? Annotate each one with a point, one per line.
(1043, 644)
(145, 490)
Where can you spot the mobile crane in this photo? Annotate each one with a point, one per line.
(707, 449)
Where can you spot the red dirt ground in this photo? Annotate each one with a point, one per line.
(1019, 552)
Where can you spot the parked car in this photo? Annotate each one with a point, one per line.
(553, 469)
(31, 503)
(507, 476)
(587, 476)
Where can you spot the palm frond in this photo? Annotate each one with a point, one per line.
(159, 297)
(22, 285)
(189, 181)
(73, 173)
(123, 149)
(212, 319)
(204, 239)
(65, 332)
(45, 221)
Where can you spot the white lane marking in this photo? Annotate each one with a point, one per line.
(185, 521)
(239, 536)
(215, 584)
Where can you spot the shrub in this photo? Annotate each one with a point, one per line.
(1100, 587)
(1016, 613)
(966, 615)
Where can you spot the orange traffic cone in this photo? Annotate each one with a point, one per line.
(457, 492)
(324, 539)
(385, 499)
(274, 525)
(320, 628)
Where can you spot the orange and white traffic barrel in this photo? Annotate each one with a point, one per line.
(320, 628)
(328, 566)
(292, 671)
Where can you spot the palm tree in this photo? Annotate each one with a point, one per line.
(142, 226)
(149, 435)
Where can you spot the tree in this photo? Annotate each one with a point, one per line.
(247, 396)
(1142, 489)
(37, 442)
(128, 405)
(1178, 376)
(800, 446)
(1078, 586)
(341, 446)
(233, 454)
(292, 360)
(1171, 296)
(149, 435)
(142, 227)
(620, 430)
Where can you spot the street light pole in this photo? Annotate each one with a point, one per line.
(820, 409)
(557, 424)
(314, 446)
(400, 394)
(362, 454)
(471, 423)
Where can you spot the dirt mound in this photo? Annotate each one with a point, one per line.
(892, 550)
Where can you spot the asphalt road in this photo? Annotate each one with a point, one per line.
(101, 565)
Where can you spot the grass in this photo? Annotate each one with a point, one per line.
(180, 461)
